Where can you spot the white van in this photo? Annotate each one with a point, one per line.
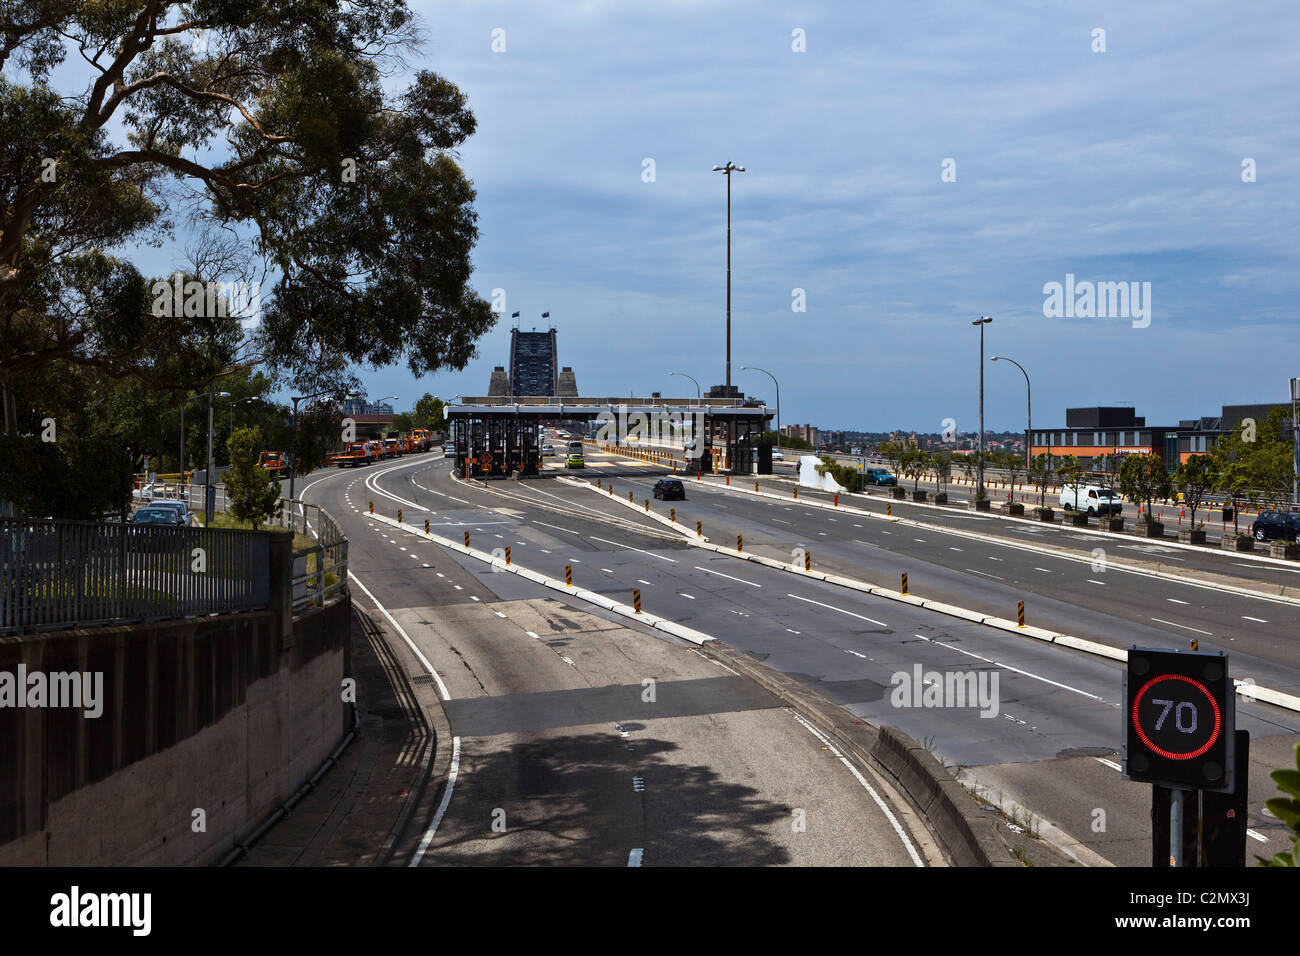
(575, 448)
(1094, 499)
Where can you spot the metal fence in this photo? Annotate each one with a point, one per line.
(319, 571)
(56, 573)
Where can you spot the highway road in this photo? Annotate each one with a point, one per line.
(1052, 744)
(574, 738)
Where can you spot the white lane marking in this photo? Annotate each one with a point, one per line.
(791, 630)
(950, 548)
(458, 587)
(498, 614)
(425, 566)
(856, 654)
(991, 558)
(455, 741)
(630, 548)
(783, 521)
(556, 527)
(728, 577)
(1183, 626)
(1175, 601)
(840, 609)
(1109, 763)
(533, 635)
(1095, 581)
(607, 570)
(985, 573)
(1257, 620)
(634, 858)
(856, 525)
(685, 595)
(439, 573)
(922, 540)
(473, 598)
(1044, 570)
(989, 660)
(644, 581)
(884, 808)
(575, 560)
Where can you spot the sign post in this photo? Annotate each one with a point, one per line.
(1180, 736)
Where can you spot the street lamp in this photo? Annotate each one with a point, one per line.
(692, 378)
(1029, 402)
(727, 170)
(979, 488)
(208, 495)
(754, 368)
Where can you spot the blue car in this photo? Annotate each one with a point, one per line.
(878, 476)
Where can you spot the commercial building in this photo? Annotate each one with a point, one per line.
(1090, 433)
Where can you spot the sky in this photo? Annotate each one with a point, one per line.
(599, 122)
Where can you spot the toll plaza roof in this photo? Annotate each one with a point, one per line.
(589, 409)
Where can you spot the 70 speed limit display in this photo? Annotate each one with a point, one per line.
(1178, 719)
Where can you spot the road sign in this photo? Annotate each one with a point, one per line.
(1179, 719)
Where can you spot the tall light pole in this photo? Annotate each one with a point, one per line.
(1029, 402)
(727, 170)
(1295, 442)
(692, 378)
(293, 441)
(755, 368)
(208, 495)
(979, 488)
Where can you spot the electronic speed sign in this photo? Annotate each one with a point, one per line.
(1179, 719)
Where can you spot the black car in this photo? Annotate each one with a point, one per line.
(670, 489)
(1276, 524)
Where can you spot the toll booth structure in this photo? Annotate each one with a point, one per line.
(495, 439)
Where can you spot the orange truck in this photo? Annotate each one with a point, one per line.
(418, 440)
(276, 461)
(356, 453)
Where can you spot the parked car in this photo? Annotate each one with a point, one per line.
(574, 461)
(180, 507)
(778, 456)
(1276, 524)
(878, 476)
(1094, 499)
(670, 489)
(168, 517)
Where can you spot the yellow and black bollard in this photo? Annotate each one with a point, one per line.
(568, 575)
(399, 515)
(507, 557)
(636, 600)
(796, 494)
(807, 560)
(629, 496)
(1020, 614)
(904, 582)
(372, 507)
(426, 525)
(889, 509)
(740, 543)
(672, 515)
(599, 486)
(756, 486)
(467, 539)
(647, 504)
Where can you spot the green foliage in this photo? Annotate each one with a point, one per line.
(1194, 477)
(1286, 809)
(893, 452)
(941, 462)
(1041, 473)
(83, 477)
(1143, 479)
(402, 422)
(1013, 463)
(846, 475)
(429, 413)
(787, 441)
(915, 462)
(253, 492)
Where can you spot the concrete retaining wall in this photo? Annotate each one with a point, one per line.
(225, 715)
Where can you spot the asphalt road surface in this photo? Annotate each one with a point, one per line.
(579, 739)
(1050, 743)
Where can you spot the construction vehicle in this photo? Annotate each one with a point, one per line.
(356, 453)
(419, 439)
(276, 461)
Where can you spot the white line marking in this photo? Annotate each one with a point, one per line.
(1109, 763)
(607, 570)
(950, 548)
(1257, 620)
(1044, 570)
(728, 577)
(989, 660)
(555, 526)
(685, 595)
(1175, 601)
(1258, 836)
(1183, 626)
(1095, 581)
(630, 548)
(498, 614)
(985, 573)
(840, 609)
(884, 808)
